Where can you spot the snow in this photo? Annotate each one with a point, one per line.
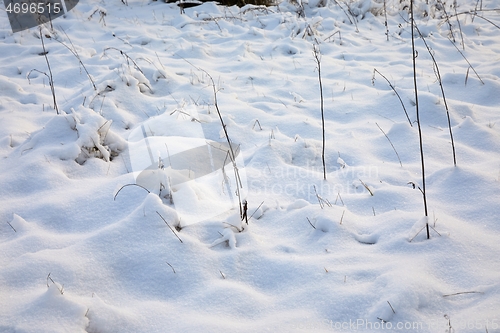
(82, 249)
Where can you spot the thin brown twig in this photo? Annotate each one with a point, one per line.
(394, 89)
(463, 292)
(440, 81)
(390, 143)
(367, 188)
(312, 225)
(171, 267)
(170, 227)
(317, 57)
(465, 58)
(11, 226)
(129, 185)
(418, 113)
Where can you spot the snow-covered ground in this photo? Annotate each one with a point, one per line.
(79, 253)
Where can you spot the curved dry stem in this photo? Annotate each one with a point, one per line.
(438, 76)
(394, 89)
(121, 188)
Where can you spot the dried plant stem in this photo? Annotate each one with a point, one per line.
(321, 201)
(385, 22)
(52, 88)
(366, 186)
(232, 154)
(170, 227)
(465, 58)
(417, 233)
(459, 26)
(61, 290)
(317, 57)
(353, 21)
(129, 185)
(75, 53)
(394, 89)
(480, 16)
(126, 56)
(438, 76)
(257, 122)
(336, 32)
(11, 226)
(390, 143)
(312, 225)
(171, 267)
(447, 19)
(391, 307)
(347, 15)
(339, 197)
(256, 209)
(463, 292)
(418, 115)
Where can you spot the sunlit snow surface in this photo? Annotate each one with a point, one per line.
(316, 256)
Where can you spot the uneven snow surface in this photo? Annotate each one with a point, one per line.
(81, 253)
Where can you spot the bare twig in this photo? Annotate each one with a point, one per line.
(321, 201)
(447, 20)
(463, 292)
(480, 16)
(317, 57)
(170, 227)
(256, 210)
(390, 143)
(336, 32)
(75, 53)
(51, 82)
(171, 267)
(353, 21)
(465, 58)
(257, 122)
(61, 290)
(459, 25)
(129, 185)
(11, 226)
(232, 225)
(391, 307)
(339, 197)
(418, 113)
(312, 225)
(230, 146)
(367, 188)
(438, 76)
(394, 89)
(126, 56)
(385, 22)
(347, 15)
(417, 233)
(434, 230)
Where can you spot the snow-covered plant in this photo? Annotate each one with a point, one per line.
(95, 137)
(78, 136)
(134, 76)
